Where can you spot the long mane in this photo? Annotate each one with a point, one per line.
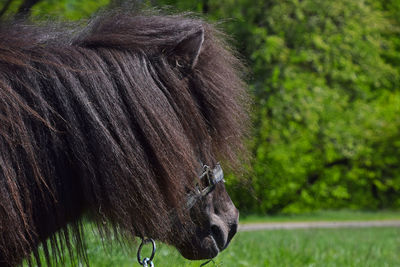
(102, 119)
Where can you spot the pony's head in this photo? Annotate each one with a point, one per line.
(118, 121)
(215, 219)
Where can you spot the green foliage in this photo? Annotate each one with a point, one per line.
(326, 98)
(67, 9)
(58, 9)
(326, 88)
(326, 101)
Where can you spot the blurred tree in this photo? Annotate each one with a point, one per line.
(6, 5)
(56, 9)
(25, 7)
(324, 95)
(326, 91)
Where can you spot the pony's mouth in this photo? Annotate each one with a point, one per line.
(207, 245)
(207, 248)
(211, 247)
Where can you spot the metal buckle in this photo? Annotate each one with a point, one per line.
(212, 176)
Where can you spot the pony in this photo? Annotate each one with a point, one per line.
(111, 120)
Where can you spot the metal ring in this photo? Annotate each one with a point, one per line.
(147, 261)
(144, 242)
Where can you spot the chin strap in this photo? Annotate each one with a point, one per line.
(207, 262)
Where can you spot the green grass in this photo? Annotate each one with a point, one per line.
(313, 247)
(300, 247)
(343, 215)
(316, 247)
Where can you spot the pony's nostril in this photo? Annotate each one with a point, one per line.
(216, 211)
(232, 232)
(218, 236)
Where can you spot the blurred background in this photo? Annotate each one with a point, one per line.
(324, 78)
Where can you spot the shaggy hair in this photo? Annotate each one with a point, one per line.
(110, 119)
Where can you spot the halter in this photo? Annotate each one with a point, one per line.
(207, 182)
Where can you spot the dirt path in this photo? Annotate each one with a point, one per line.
(323, 224)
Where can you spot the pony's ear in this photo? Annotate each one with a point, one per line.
(186, 52)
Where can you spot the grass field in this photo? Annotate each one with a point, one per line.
(307, 247)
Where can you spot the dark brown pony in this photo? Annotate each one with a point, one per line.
(113, 121)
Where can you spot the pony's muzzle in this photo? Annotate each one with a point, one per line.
(224, 227)
(215, 221)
